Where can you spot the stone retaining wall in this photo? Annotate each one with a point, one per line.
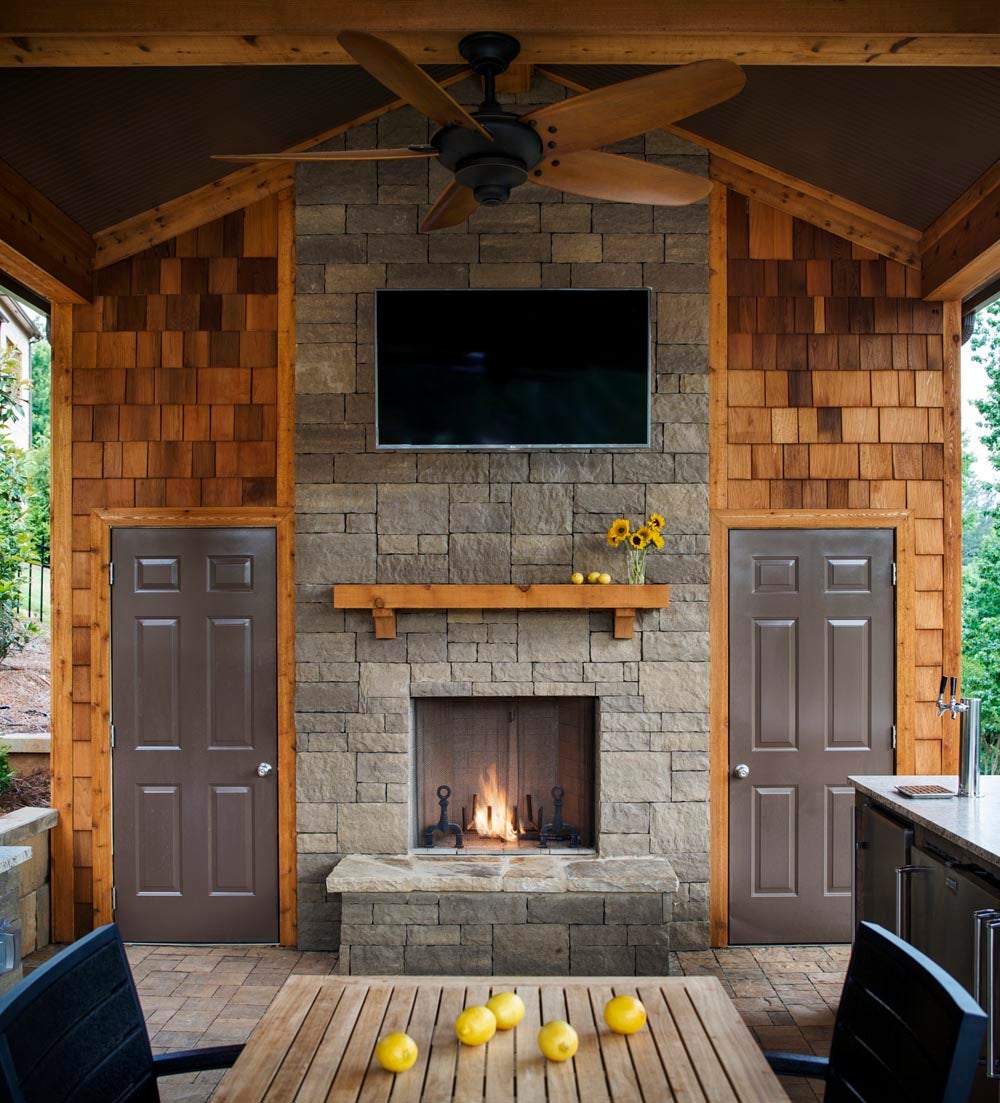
(363, 516)
(31, 827)
(506, 933)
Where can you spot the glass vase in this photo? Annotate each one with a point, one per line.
(636, 558)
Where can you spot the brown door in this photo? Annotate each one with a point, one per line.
(194, 703)
(811, 700)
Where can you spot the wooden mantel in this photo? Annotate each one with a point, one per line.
(383, 601)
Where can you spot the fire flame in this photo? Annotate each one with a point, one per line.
(493, 816)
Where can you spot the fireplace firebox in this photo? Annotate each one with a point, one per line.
(502, 773)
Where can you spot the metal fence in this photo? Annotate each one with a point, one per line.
(33, 590)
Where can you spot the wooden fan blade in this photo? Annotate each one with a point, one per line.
(395, 70)
(454, 205)
(621, 179)
(400, 154)
(620, 111)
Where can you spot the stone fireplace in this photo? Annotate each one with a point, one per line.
(638, 884)
(505, 761)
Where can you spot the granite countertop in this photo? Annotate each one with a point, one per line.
(972, 824)
(509, 873)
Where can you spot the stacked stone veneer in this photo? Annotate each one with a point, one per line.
(410, 517)
(485, 933)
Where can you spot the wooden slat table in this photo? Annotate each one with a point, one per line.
(317, 1040)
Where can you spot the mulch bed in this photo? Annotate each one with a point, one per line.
(27, 791)
(24, 687)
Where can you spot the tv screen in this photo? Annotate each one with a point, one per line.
(512, 368)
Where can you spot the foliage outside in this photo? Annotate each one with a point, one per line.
(981, 548)
(6, 771)
(14, 539)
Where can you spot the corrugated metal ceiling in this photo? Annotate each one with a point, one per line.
(105, 144)
(906, 142)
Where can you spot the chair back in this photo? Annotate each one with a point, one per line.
(905, 1029)
(73, 1030)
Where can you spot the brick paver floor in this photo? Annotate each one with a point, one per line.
(215, 995)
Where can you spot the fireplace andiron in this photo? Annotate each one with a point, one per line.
(443, 825)
(557, 830)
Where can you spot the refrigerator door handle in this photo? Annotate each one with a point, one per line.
(992, 926)
(901, 873)
(979, 918)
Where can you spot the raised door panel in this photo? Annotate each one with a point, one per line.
(775, 684)
(229, 679)
(157, 692)
(847, 689)
(774, 840)
(230, 836)
(158, 814)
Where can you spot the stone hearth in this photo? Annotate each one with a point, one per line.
(511, 914)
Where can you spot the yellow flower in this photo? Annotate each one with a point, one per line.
(656, 521)
(656, 539)
(640, 538)
(618, 532)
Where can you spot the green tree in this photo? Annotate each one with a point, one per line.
(14, 539)
(979, 504)
(981, 631)
(36, 516)
(41, 392)
(985, 346)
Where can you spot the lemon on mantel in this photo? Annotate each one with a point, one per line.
(475, 1026)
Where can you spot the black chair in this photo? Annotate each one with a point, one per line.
(905, 1029)
(73, 1032)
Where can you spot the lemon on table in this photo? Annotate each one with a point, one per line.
(593, 576)
(508, 1008)
(475, 1026)
(604, 578)
(396, 1052)
(576, 578)
(625, 1014)
(557, 1040)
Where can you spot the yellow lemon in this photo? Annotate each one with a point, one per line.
(475, 1026)
(576, 578)
(557, 1040)
(593, 576)
(396, 1052)
(625, 1014)
(604, 579)
(508, 1008)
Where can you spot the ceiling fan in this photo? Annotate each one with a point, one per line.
(492, 149)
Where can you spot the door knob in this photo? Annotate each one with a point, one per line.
(264, 769)
(741, 770)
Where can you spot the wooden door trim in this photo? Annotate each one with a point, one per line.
(102, 521)
(722, 521)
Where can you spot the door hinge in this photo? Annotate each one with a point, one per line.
(114, 899)
(893, 736)
(111, 574)
(894, 572)
(112, 728)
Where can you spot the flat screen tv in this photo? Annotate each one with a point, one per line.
(512, 368)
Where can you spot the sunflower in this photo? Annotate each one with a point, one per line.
(618, 532)
(656, 539)
(640, 538)
(656, 521)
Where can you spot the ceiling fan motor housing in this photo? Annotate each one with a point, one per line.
(490, 169)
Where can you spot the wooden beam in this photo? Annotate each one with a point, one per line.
(817, 206)
(242, 32)
(228, 193)
(960, 250)
(805, 201)
(41, 246)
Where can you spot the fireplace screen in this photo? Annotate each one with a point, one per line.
(508, 773)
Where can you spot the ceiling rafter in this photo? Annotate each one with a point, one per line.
(960, 250)
(40, 246)
(241, 32)
(229, 193)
